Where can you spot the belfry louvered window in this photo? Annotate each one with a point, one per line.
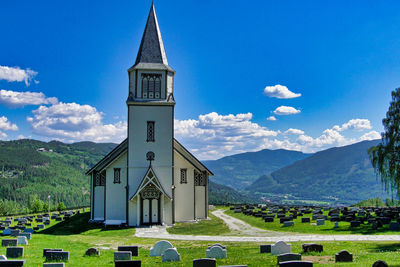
(151, 85)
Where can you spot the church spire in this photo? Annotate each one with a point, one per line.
(151, 48)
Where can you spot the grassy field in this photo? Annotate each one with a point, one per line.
(76, 236)
(299, 227)
(213, 226)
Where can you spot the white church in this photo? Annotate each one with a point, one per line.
(150, 178)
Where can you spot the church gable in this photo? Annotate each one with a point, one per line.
(150, 187)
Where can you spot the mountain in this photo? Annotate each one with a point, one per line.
(221, 194)
(241, 170)
(31, 167)
(337, 175)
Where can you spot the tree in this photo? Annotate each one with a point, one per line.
(61, 206)
(385, 157)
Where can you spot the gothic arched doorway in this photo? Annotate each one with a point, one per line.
(150, 205)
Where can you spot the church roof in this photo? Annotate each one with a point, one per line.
(151, 48)
(123, 147)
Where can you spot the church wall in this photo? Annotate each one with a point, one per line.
(133, 212)
(184, 193)
(98, 203)
(115, 192)
(167, 214)
(162, 147)
(200, 202)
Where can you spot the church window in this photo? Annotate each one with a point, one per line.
(151, 85)
(196, 178)
(100, 178)
(183, 176)
(150, 131)
(117, 175)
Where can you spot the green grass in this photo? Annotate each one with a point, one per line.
(213, 226)
(299, 227)
(77, 236)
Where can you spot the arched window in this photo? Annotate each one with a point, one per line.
(157, 89)
(151, 85)
(145, 86)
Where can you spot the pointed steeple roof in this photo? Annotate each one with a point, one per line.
(151, 48)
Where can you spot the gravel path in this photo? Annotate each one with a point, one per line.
(254, 234)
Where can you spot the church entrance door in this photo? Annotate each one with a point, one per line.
(150, 211)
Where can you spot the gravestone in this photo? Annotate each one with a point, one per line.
(170, 254)
(12, 263)
(268, 219)
(29, 231)
(122, 256)
(380, 263)
(52, 255)
(131, 263)
(305, 220)
(344, 256)
(312, 248)
(92, 252)
(265, 248)
(394, 226)
(288, 257)
(54, 264)
(3, 258)
(296, 264)
(27, 235)
(355, 224)
(7, 231)
(15, 252)
(8, 242)
(22, 240)
(15, 232)
(218, 245)
(40, 226)
(205, 263)
(216, 252)
(280, 248)
(133, 249)
(288, 223)
(45, 250)
(159, 248)
(336, 224)
(320, 222)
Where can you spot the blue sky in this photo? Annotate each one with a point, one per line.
(342, 58)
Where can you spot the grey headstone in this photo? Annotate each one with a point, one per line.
(159, 248)
(170, 254)
(8, 242)
(3, 258)
(27, 235)
(204, 263)
(336, 224)
(22, 240)
(217, 245)
(122, 255)
(15, 252)
(344, 256)
(320, 222)
(288, 223)
(15, 232)
(216, 252)
(280, 248)
(288, 257)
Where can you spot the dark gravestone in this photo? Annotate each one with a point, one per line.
(92, 252)
(12, 263)
(355, 224)
(296, 264)
(265, 248)
(268, 219)
(312, 248)
(289, 257)
(45, 250)
(204, 263)
(8, 242)
(305, 220)
(54, 264)
(133, 249)
(344, 256)
(394, 226)
(129, 263)
(380, 264)
(15, 252)
(52, 255)
(15, 233)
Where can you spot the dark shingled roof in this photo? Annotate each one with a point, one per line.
(151, 48)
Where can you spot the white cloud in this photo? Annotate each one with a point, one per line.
(15, 74)
(271, 118)
(2, 135)
(294, 131)
(285, 110)
(280, 91)
(372, 135)
(354, 124)
(20, 99)
(6, 125)
(74, 122)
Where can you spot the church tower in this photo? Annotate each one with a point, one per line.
(150, 157)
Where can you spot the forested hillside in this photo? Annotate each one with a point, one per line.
(30, 168)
